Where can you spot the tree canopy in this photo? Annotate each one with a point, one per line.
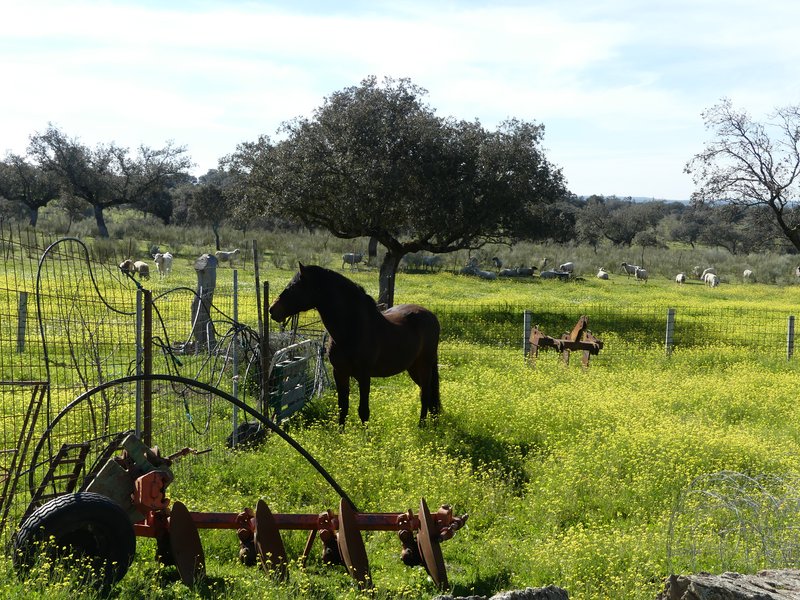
(107, 175)
(748, 163)
(375, 161)
(27, 184)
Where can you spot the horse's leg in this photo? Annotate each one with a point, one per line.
(425, 373)
(342, 381)
(363, 398)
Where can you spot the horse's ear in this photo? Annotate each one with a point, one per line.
(301, 266)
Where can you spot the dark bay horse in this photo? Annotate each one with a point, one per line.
(365, 342)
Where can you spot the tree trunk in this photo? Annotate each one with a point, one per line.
(391, 261)
(215, 229)
(101, 222)
(34, 215)
(372, 251)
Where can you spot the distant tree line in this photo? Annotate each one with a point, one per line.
(375, 161)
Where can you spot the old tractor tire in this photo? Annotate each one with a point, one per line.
(88, 528)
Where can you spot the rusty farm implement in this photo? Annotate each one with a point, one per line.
(97, 496)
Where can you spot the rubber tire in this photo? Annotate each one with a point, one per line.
(88, 525)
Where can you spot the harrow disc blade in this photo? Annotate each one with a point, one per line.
(269, 544)
(351, 546)
(184, 539)
(430, 549)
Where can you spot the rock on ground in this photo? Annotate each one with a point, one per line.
(550, 592)
(783, 584)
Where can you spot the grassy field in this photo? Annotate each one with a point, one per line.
(570, 477)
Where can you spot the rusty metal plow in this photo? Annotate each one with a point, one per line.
(579, 339)
(176, 530)
(138, 480)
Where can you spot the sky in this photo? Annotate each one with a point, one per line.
(619, 85)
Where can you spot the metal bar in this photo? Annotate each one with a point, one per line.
(526, 333)
(668, 340)
(364, 521)
(235, 392)
(139, 326)
(147, 384)
(790, 337)
(22, 318)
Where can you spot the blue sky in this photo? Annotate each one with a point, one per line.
(619, 85)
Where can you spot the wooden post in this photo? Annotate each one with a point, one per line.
(790, 338)
(668, 341)
(266, 354)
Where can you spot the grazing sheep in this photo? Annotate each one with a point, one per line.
(553, 274)
(433, 262)
(127, 267)
(748, 275)
(142, 268)
(640, 274)
(707, 271)
(567, 267)
(711, 279)
(629, 269)
(227, 255)
(352, 259)
(602, 273)
(797, 271)
(163, 263)
(697, 271)
(680, 278)
(472, 269)
(498, 264)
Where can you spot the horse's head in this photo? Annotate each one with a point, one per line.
(296, 297)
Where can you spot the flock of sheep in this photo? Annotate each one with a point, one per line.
(163, 262)
(566, 271)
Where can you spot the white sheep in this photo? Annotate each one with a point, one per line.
(629, 269)
(602, 273)
(680, 278)
(711, 279)
(352, 259)
(567, 267)
(227, 255)
(640, 274)
(472, 269)
(551, 274)
(748, 275)
(163, 263)
(707, 271)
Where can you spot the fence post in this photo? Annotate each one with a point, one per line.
(668, 341)
(139, 322)
(790, 338)
(235, 346)
(22, 318)
(147, 359)
(526, 333)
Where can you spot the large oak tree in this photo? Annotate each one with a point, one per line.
(108, 175)
(375, 161)
(748, 163)
(23, 182)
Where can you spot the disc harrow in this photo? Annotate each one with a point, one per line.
(137, 481)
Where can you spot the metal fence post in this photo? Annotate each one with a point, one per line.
(22, 318)
(526, 333)
(790, 338)
(235, 346)
(668, 341)
(147, 360)
(139, 353)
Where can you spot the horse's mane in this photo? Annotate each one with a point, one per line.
(350, 287)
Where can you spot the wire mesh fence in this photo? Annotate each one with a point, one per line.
(71, 323)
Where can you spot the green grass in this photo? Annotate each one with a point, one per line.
(570, 476)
